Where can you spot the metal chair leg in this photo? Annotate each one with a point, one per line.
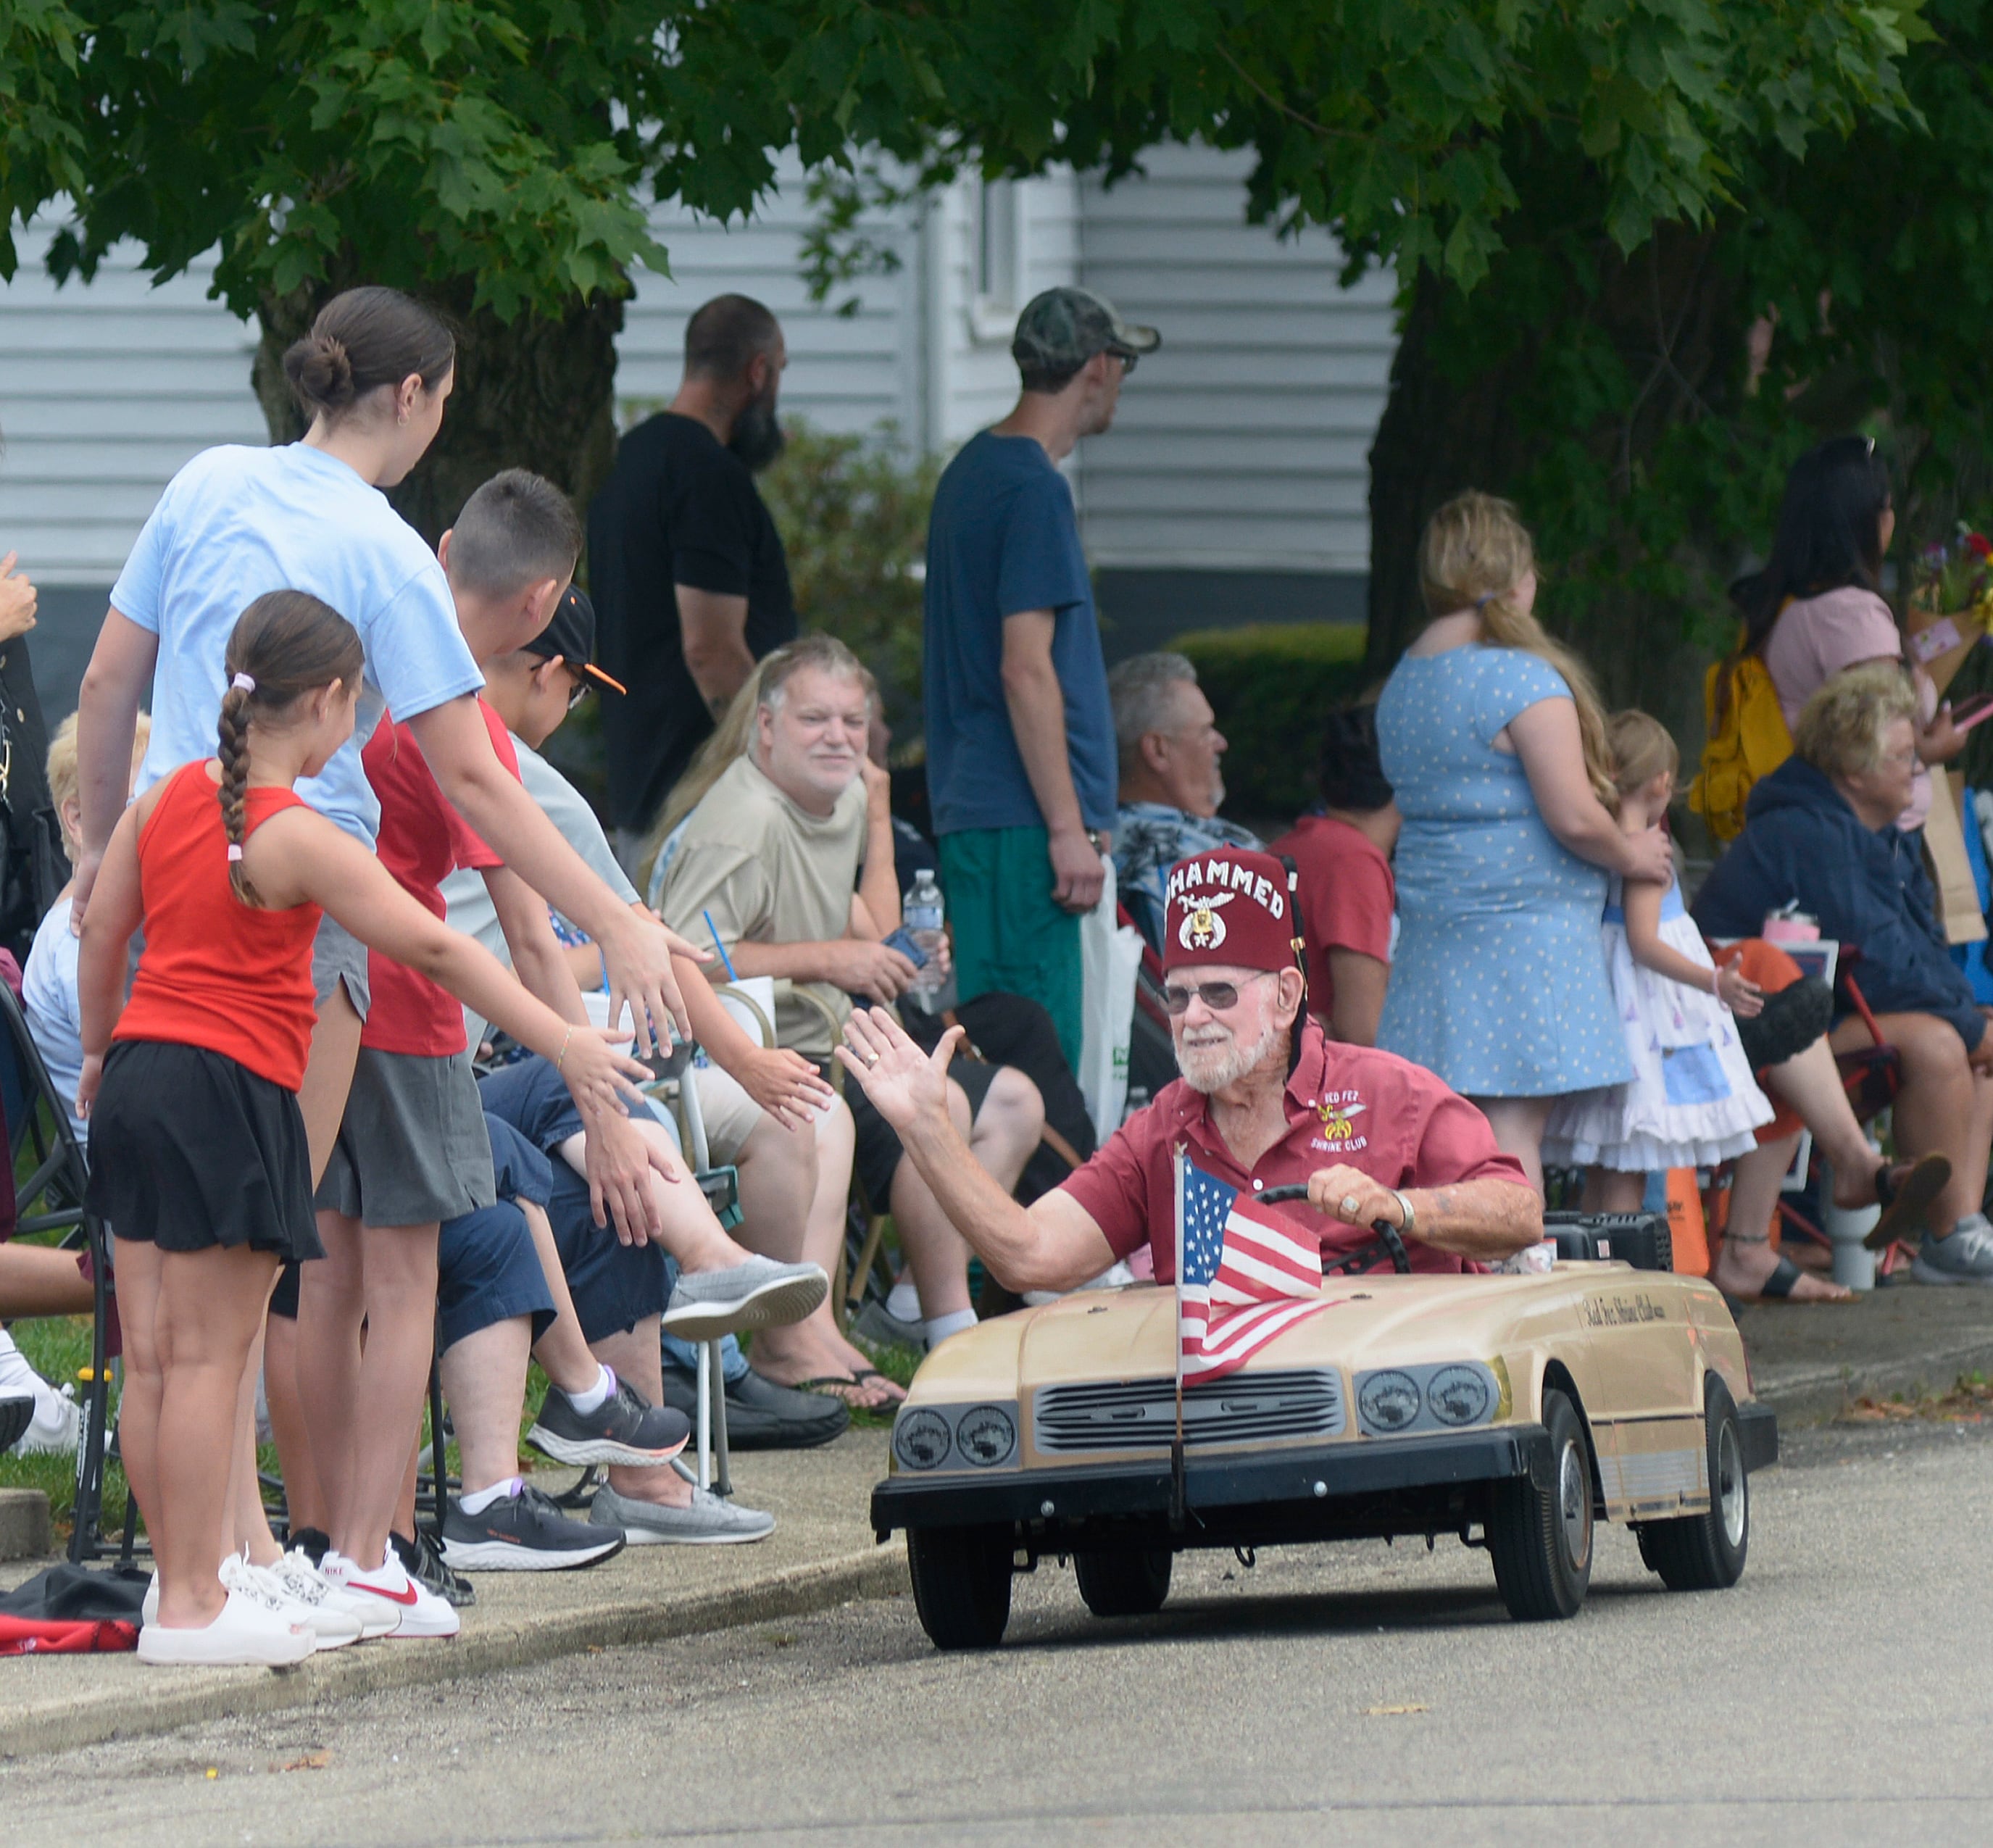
(438, 1463)
(716, 1372)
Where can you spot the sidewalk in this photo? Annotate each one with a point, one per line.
(821, 1554)
(1806, 1359)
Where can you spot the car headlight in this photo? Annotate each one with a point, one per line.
(982, 1436)
(1392, 1400)
(921, 1438)
(986, 1435)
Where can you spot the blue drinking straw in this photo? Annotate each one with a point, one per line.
(725, 961)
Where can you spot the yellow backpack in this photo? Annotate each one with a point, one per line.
(1750, 741)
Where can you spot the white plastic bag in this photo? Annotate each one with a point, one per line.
(1111, 956)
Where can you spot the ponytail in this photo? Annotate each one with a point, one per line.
(286, 645)
(1473, 553)
(362, 340)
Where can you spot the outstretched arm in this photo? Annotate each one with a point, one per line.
(100, 958)
(638, 952)
(1053, 1243)
(297, 856)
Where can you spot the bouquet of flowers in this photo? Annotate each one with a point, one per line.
(1957, 575)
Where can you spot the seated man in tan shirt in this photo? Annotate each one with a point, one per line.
(791, 851)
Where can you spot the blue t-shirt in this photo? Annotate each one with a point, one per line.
(236, 522)
(1003, 539)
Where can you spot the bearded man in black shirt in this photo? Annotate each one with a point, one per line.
(687, 572)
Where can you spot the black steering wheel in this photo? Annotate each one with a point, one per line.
(1387, 1242)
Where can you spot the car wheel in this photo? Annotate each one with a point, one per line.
(1706, 1552)
(961, 1584)
(1124, 1584)
(1541, 1544)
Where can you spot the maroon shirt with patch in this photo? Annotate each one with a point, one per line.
(1347, 1104)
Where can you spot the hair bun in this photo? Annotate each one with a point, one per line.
(320, 371)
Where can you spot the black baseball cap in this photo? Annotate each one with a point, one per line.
(570, 633)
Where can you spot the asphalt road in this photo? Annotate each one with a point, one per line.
(1356, 1695)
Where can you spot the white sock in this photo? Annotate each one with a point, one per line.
(941, 1327)
(903, 1303)
(479, 1499)
(597, 1395)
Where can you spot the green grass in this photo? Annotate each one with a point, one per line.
(58, 1349)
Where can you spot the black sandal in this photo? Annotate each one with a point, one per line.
(1903, 1201)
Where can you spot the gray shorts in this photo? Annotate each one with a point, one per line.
(412, 1149)
(337, 956)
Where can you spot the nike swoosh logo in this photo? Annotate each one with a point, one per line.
(393, 1597)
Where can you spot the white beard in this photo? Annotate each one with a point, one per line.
(1212, 1066)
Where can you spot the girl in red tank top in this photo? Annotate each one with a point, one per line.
(198, 1153)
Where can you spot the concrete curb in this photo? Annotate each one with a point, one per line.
(1813, 1394)
(154, 1702)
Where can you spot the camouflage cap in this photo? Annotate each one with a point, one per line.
(1061, 329)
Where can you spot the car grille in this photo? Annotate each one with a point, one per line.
(1140, 1414)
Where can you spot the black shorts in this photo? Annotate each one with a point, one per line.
(876, 1158)
(189, 1150)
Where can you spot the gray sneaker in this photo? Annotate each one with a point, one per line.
(710, 1521)
(756, 1293)
(1964, 1256)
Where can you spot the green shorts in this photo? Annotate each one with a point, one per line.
(1009, 937)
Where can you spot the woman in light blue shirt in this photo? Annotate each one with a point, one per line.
(1493, 740)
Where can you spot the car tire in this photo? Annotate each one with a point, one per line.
(1706, 1552)
(1124, 1584)
(1541, 1544)
(961, 1584)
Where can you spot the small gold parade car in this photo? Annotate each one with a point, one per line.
(1511, 1411)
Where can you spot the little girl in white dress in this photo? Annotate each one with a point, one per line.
(1692, 1101)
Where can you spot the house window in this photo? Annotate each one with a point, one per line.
(997, 241)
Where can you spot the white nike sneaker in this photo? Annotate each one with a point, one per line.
(419, 1612)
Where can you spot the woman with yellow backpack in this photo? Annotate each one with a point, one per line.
(1814, 610)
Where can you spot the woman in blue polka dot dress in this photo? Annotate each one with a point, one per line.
(1495, 742)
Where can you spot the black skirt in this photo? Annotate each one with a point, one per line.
(189, 1149)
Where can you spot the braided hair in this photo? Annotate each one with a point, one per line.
(285, 645)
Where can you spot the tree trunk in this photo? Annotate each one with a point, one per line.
(1606, 371)
(536, 393)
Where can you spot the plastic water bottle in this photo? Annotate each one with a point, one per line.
(924, 913)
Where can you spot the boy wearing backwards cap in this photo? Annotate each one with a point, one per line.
(1264, 1100)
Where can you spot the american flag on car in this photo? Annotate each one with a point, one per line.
(1243, 1275)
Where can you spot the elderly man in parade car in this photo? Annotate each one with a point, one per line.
(1264, 1101)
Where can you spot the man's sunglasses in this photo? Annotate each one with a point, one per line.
(1216, 995)
(577, 691)
(1126, 358)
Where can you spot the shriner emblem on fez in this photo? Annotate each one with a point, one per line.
(1202, 928)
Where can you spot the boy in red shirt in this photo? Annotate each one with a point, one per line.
(1347, 894)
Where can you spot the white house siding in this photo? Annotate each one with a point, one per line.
(1243, 443)
(104, 392)
(1234, 481)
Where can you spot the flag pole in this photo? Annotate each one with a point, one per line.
(1176, 1447)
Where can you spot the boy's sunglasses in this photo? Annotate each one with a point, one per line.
(1216, 995)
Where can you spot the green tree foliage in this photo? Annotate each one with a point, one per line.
(498, 158)
(507, 143)
(1643, 407)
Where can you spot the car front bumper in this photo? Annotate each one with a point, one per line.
(1323, 1478)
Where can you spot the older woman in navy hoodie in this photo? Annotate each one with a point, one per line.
(1821, 831)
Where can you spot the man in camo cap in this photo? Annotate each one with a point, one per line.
(1020, 751)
